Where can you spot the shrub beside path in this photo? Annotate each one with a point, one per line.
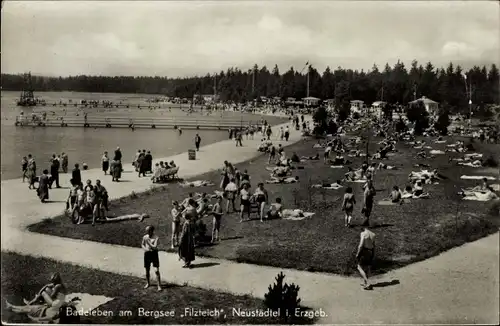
(458, 286)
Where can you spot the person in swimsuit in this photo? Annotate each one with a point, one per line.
(395, 195)
(418, 189)
(176, 223)
(73, 196)
(231, 192)
(45, 306)
(244, 201)
(217, 214)
(365, 255)
(276, 210)
(348, 205)
(105, 163)
(261, 198)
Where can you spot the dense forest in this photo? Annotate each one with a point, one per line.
(398, 84)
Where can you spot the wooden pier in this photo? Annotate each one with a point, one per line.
(198, 122)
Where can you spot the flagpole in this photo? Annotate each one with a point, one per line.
(308, 69)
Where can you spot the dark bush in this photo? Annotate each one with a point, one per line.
(443, 122)
(417, 114)
(401, 126)
(283, 297)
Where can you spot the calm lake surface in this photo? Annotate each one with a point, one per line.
(88, 144)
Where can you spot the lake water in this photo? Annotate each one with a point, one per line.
(88, 144)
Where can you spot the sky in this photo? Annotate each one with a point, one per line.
(186, 38)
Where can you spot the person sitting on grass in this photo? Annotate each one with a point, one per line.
(280, 171)
(217, 214)
(418, 189)
(46, 305)
(350, 175)
(231, 191)
(395, 195)
(275, 210)
(339, 160)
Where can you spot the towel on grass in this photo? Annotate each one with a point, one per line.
(388, 202)
(475, 164)
(440, 141)
(196, 183)
(88, 302)
(336, 166)
(358, 181)
(436, 151)
(476, 177)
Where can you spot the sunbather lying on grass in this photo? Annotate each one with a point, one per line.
(383, 166)
(276, 180)
(485, 195)
(310, 158)
(334, 186)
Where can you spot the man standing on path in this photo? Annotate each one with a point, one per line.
(150, 246)
(118, 154)
(197, 141)
(365, 254)
(54, 171)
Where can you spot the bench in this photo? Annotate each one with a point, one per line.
(162, 175)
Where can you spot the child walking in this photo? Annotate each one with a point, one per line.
(150, 246)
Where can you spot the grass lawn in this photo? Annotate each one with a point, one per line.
(23, 276)
(405, 233)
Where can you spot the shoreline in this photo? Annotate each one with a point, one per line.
(11, 172)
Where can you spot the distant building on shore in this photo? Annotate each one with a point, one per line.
(206, 98)
(311, 101)
(357, 106)
(377, 108)
(430, 105)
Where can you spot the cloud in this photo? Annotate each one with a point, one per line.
(186, 38)
(270, 23)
